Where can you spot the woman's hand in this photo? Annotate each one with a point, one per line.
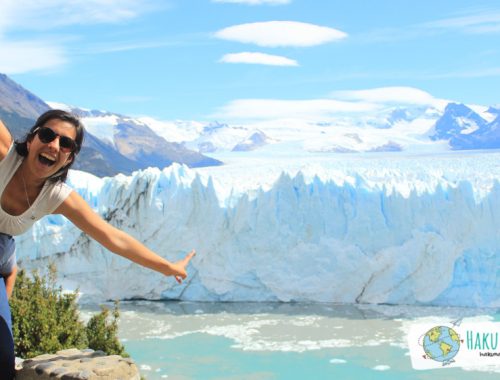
(179, 267)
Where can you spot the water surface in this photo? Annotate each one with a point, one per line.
(188, 340)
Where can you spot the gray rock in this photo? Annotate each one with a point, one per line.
(77, 364)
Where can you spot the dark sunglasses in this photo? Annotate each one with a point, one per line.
(47, 135)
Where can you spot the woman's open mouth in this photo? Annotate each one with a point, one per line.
(46, 159)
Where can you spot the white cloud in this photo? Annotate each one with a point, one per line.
(258, 58)
(281, 33)
(254, 2)
(114, 47)
(265, 109)
(391, 95)
(474, 22)
(340, 104)
(481, 22)
(477, 73)
(19, 56)
(50, 14)
(23, 56)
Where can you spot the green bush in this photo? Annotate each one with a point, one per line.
(46, 320)
(102, 333)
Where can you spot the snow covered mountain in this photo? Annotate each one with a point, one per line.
(395, 128)
(126, 146)
(409, 128)
(386, 228)
(120, 143)
(211, 137)
(466, 129)
(135, 141)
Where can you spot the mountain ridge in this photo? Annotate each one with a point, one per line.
(137, 146)
(123, 144)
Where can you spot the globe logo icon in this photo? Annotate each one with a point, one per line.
(441, 344)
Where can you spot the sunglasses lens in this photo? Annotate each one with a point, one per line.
(67, 144)
(47, 135)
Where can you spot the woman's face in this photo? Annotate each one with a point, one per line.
(46, 159)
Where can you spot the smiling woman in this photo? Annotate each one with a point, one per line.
(46, 130)
(32, 175)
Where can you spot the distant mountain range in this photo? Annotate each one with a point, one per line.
(418, 128)
(133, 144)
(465, 129)
(121, 144)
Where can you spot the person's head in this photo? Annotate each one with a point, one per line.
(52, 144)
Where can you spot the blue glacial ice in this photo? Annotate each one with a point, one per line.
(382, 229)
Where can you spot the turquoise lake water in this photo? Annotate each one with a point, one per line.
(184, 340)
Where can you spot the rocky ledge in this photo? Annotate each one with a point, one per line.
(76, 364)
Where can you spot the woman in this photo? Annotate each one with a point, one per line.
(32, 175)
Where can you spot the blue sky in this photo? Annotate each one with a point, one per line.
(228, 59)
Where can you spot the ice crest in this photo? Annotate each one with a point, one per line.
(387, 229)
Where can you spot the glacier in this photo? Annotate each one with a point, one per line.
(381, 228)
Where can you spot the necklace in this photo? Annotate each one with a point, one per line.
(27, 198)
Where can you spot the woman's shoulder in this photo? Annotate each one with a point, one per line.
(57, 192)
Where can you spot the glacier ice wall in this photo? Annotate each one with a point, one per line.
(297, 240)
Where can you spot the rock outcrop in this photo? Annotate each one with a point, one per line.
(73, 364)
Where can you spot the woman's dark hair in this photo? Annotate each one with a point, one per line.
(22, 146)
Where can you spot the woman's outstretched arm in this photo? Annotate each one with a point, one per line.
(81, 215)
(5, 140)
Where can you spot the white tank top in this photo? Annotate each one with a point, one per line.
(51, 196)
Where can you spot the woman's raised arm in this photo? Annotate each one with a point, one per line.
(79, 212)
(5, 140)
